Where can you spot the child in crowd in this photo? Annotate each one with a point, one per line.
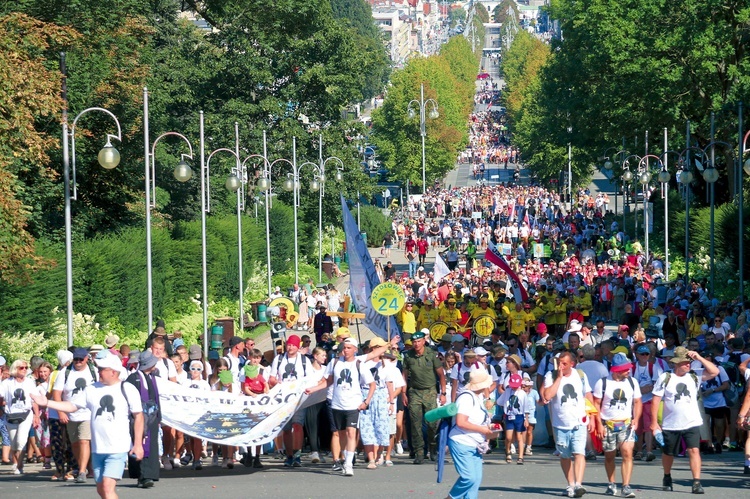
(255, 384)
(513, 401)
(532, 400)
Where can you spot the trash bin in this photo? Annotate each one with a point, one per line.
(217, 334)
(337, 260)
(262, 313)
(364, 238)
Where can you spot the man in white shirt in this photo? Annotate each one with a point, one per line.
(347, 376)
(291, 366)
(166, 370)
(618, 399)
(566, 391)
(109, 404)
(70, 386)
(681, 414)
(236, 347)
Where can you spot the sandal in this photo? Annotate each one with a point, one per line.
(520, 460)
(389, 463)
(68, 477)
(508, 459)
(55, 477)
(372, 466)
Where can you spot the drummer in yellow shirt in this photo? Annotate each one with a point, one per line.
(584, 300)
(483, 309)
(450, 314)
(427, 316)
(517, 321)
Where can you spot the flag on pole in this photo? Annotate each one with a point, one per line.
(493, 255)
(363, 277)
(441, 269)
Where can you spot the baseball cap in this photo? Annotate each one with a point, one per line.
(194, 352)
(108, 361)
(377, 342)
(541, 327)
(234, 341)
(620, 363)
(343, 332)
(621, 350)
(351, 341)
(457, 338)
(80, 353)
(480, 351)
(643, 349)
(293, 340)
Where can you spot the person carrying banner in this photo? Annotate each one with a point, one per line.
(110, 406)
(346, 376)
(146, 470)
(291, 366)
(421, 366)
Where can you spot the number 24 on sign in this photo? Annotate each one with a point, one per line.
(388, 298)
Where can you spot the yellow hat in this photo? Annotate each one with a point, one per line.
(377, 342)
(343, 332)
(621, 350)
(407, 343)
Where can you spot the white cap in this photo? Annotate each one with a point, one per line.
(64, 357)
(350, 341)
(2, 360)
(480, 351)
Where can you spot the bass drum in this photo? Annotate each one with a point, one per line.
(437, 330)
(482, 328)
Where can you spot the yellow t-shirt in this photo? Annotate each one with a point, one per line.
(646, 316)
(530, 319)
(408, 322)
(426, 318)
(517, 322)
(479, 311)
(451, 316)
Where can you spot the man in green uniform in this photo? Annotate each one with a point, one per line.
(421, 366)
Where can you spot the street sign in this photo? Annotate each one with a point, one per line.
(388, 298)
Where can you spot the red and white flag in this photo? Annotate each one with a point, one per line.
(495, 256)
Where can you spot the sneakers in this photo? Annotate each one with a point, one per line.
(528, 452)
(227, 464)
(650, 457)
(297, 462)
(569, 491)
(186, 459)
(348, 470)
(167, 462)
(579, 491)
(289, 462)
(399, 449)
(725, 444)
(80, 478)
(314, 457)
(697, 488)
(256, 462)
(747, 470)
(638, 456)
(176, 463)
(145, 483)
(16, 471)
(197, 465)
(338, 465)
(666, 483)
(612, 490)
(215, 460)
(591, 456)
(627, 491)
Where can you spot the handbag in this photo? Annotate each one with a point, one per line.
(17, 418)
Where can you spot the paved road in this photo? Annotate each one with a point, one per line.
(540, 477)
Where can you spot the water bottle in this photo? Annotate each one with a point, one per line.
(659, 437)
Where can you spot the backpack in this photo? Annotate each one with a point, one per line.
(604, 384)
(650, 370)
(92, 370)
(304, 364)
(732, 366)
(692, 375)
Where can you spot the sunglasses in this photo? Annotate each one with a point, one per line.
(78, 360)
(644, 354)
(23, 367)
(196, 368)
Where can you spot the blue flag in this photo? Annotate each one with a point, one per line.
(363, 277)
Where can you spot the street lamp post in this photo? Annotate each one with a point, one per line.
(644, 178)
(182, 173)
(433, 114)
(744, 171)
(108, 158)
(627, 178)
(320, 184)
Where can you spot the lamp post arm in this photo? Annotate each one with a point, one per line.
(72, 133)
(208, 177)
(153, 160)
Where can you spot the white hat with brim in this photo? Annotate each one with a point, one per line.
(479, 380)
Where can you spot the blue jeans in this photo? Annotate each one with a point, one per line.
(468, 463)
(413, 267)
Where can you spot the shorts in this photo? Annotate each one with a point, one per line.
(330, 415)
(646, 417)
(692, 437)
(612, 439)
(718, 412)
(79, 430)
(515, 424)
(297, 418)
(108, 465)
(343, 419)
(392, 424)
(570, 442)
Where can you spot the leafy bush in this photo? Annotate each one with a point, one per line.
(374, 223)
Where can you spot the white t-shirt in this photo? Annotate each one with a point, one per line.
(347, 381)
(198, 384)
(472, 405)
(74, 391)
(680, 398)
(392, 374)
(165, 369)
(17, 395)
(617, 399)
(109, 412)
(376, 368)
(715, 399)
(461, 372)
(285, 368)
(642, 376)
(234, 366)
(568, 406)
(315, 375)
(513, 403)
(182, 377)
